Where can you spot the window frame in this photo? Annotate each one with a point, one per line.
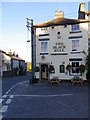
(60, 68)
(76, 51)
(47, 46)
(71, 73)
(74, 26)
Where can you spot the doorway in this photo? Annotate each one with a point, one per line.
(44, 72)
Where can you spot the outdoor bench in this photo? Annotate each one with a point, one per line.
(55, 80)
(77, 80)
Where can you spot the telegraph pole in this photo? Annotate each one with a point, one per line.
(30, 26)
(32, 44)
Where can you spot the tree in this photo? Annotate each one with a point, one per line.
(82, 68)
(88, 66)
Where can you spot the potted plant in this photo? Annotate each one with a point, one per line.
(36, 69)
(36, 73)
(51, 69)
(82, 68)
(68, 68)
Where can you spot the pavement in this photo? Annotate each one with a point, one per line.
(24, 100)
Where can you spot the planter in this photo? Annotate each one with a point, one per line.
(37, 75)
(68, 68)
(51, 69)
(36, 69)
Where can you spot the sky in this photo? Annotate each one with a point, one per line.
(14, 14)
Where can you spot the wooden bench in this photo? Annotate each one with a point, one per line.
(77, 80)
(55, 80)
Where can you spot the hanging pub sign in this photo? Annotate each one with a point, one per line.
(59, 47)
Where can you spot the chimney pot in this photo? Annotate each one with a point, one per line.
(82, 5)
(59, 14)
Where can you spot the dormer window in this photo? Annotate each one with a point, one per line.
(75, 28)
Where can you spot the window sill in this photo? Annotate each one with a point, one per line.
(75, 52)
(79, 31)
(44, 53)
(59, 53)
(75, 74)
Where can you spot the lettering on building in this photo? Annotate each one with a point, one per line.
(59, 47)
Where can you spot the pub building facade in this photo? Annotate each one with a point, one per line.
(61, 42)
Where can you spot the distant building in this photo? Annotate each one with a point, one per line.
(5, 62)
(61, 42)
(0, 64)
(18, 66)
(12, 65)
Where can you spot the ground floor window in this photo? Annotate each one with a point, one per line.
(62, 68)
(75, 68)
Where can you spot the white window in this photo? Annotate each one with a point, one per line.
(44, 47)
(75, 46)
(75, 27)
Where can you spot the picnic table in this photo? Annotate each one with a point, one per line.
(77, 79)
(55, 80)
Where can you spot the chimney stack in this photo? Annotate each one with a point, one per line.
(81, 11)
(82, 6)
(59, 14)
(9, 52)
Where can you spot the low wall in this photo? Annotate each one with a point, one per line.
(7, 73)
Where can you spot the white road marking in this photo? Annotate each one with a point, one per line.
(8, 101)
(1, 117)
(66, 94)
(4, 96)
(1, 100)
(6, 92)
(4, 109)
(43, 95)
(13, 87)
(26, 85)
(11, 96)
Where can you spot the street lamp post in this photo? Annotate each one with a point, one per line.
(30, 25)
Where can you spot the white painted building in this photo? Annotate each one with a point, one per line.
(85, 14)
(61, 42)
(5, 63)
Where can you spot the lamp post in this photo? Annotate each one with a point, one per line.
(30, 25)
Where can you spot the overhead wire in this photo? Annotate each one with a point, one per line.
(41, 19)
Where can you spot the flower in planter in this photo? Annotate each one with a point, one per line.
(51, 69)
(68, 68)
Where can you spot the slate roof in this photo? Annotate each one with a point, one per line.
(60, 21)
(11, 56)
